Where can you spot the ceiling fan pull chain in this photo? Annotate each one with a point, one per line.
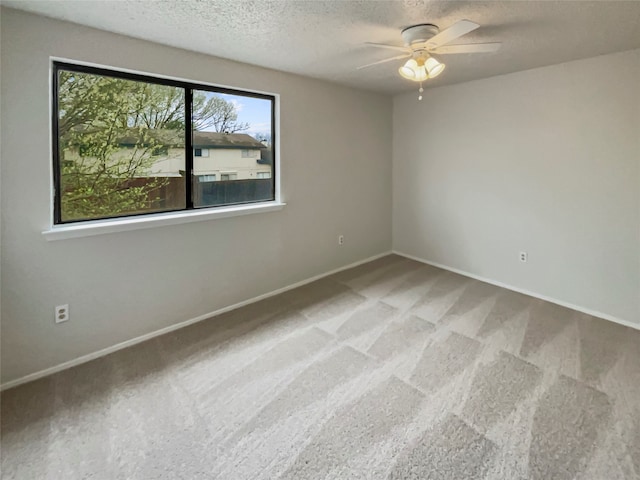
(420, 90)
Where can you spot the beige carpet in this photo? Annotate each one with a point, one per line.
(390, 370)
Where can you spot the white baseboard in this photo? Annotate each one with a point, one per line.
(128, 343)
(578, 308)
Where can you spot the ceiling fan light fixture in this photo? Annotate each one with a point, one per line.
(421, 68)
(423, 39)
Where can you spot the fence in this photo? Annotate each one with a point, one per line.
(232, 191)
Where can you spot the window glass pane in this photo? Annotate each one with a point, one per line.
(121, 146)
(206, 178)
(236, 132)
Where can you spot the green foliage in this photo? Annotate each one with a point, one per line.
(86, 197)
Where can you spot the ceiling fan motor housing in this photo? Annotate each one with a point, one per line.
(418, 34)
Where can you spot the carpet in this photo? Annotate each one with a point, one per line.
(390, 370)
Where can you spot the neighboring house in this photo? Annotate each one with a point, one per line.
(217, 157)
(218, 160)
(228, 156)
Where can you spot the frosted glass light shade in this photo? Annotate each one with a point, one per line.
(408, 69)
(421, 74)
(434, 67)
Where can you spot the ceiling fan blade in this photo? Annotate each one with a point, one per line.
(449, 34)
(384, 61)
(390, 47)
(469, 48)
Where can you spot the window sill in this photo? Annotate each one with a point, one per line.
(100, 227)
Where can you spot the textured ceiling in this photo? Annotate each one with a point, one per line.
(325, 39)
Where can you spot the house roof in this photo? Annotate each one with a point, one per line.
(225, 140)
(172, 138)
(164, 137)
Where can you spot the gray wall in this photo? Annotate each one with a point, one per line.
(336, 178)
(546, 161)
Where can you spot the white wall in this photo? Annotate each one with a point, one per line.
(546, 161)
(336, 170)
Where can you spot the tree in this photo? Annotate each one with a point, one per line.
(94, 113)
(215, 112)
(99, 177)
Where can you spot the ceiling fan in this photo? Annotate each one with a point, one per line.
(422, 41)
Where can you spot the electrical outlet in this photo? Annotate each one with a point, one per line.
(524, 257)
(340, 239)
(62, 313)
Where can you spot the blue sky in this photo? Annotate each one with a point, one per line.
(254, 111)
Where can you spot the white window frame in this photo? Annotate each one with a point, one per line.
(100, 227)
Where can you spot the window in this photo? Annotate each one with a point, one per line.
(206, 178)
(124, 144)
(263, 175)
(249, 153)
